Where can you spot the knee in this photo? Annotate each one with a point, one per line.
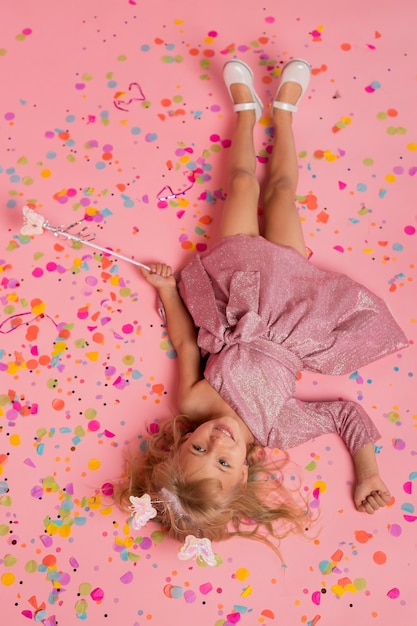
(243, 182)
(280, 186)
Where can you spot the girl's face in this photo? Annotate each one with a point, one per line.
(216, 449)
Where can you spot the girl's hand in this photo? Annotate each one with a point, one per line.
(160, 276)
(371, 494)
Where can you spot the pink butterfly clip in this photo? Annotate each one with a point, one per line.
(142, 510)
(195, 548)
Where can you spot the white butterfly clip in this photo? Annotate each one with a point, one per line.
(33, 223)
(142, 510)
(195, 548)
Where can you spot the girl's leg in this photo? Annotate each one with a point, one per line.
(240, 213)
(281, 221)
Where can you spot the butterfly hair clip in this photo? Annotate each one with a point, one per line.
(36, 224)
(198, 548)
(142, 510)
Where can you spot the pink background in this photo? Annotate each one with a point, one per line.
(79, 385)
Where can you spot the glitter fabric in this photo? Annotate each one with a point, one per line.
(263, 314)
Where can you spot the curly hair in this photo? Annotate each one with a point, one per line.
(249, 510)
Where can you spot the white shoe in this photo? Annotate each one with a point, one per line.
(295, 71)
(238, 72)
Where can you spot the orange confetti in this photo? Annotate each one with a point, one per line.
(362, 536)
(58, 404)
(379, 557)
(49, 560)
(337, 556)
(317, 70)
(322, 217)
(98, 337)
(311, 202)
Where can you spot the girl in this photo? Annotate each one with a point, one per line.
(263, 312)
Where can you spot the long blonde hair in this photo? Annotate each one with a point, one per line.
(262, 509)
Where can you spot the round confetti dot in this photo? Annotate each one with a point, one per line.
(94, 464)
(31, 567)
(379, 557)
(345, 47)
(58, 404)
(8, 579)
(395, 530)
(409, 230)
(393, 593)
(242, 574)
(85, 588)
(15, 440)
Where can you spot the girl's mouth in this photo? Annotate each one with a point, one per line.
(226, 431)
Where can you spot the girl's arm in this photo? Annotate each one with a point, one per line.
(180, 326)
(370, 491)
(301, 421)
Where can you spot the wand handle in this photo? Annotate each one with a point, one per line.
(64, 233)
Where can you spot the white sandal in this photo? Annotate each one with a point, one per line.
(237, 71)
(295, 71)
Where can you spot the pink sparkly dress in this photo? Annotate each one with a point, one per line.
(264, 313)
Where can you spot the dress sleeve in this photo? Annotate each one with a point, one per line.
(301, 421)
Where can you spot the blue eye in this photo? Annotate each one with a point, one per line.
(198, 448)
(224, 463)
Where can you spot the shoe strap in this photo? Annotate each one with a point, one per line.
(245, 106)
(285, 106)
